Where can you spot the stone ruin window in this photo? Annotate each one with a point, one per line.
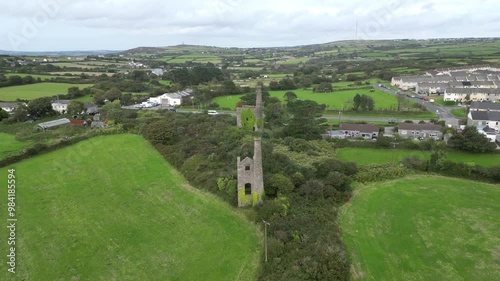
(247, 168)
(248, 189)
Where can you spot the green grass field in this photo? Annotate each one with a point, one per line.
(367, 156)
(111, 208)
(423, 228)
(10, 146)
(459, 112)
(406, 115)
(38, 90)
(335, 100)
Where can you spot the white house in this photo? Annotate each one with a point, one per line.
(157, 72)
(489, 133)
(61, 106)
(9, 106)
(475, 94)
(481, 119)
(171, 99)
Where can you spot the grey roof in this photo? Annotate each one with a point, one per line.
(419, 127)
(479, 115)
(334, 133)
(53, 123)
(67, 102)
(472, 91)
(487, 129)
(179, 94)
(494, 116)
(475, 105)
(88, 105)
(9, 104)
(434, 84)
(365, 128)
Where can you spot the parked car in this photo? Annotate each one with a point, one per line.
(138, 106)
(431, 100)
(213, 112)
(459, 104)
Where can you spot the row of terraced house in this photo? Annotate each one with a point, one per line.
(471, 83)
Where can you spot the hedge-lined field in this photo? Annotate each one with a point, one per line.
(111, 208)
(423, 228)
(33, 91)
(367, 156)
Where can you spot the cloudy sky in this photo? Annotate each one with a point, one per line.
(54, 25)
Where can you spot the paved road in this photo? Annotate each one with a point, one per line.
(443, 112)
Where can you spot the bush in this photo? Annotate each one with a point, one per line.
(382, 172)
(415, 163)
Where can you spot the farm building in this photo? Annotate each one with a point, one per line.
(90, 108)
(52, 124)
(76, 122)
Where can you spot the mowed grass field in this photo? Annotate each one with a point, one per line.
(367, 156)
(9, 145)
(111, 208)
(334, 100)
(423, 228)
(38, 90)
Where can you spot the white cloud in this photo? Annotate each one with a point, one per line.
(121, 24)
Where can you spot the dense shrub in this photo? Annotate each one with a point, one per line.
(381, 172)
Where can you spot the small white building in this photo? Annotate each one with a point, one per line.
(157, 72)
(61, 106)
(171, 99)
(9, 106)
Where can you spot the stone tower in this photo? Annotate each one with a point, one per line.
(250, 174)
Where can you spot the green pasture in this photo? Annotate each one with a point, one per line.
(112, 208)
(367, 156)
(10, 146)
(334, 100)
(33, 91)
(423, 228)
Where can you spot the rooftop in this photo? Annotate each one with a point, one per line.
(485, 106)
(53, 123)
(419, 127)
(366, 128)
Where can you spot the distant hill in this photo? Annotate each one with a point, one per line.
(59, 53)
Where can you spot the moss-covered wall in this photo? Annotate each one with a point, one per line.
(247, 200)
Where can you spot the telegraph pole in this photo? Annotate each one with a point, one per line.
(393, 150)
(265, 238)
